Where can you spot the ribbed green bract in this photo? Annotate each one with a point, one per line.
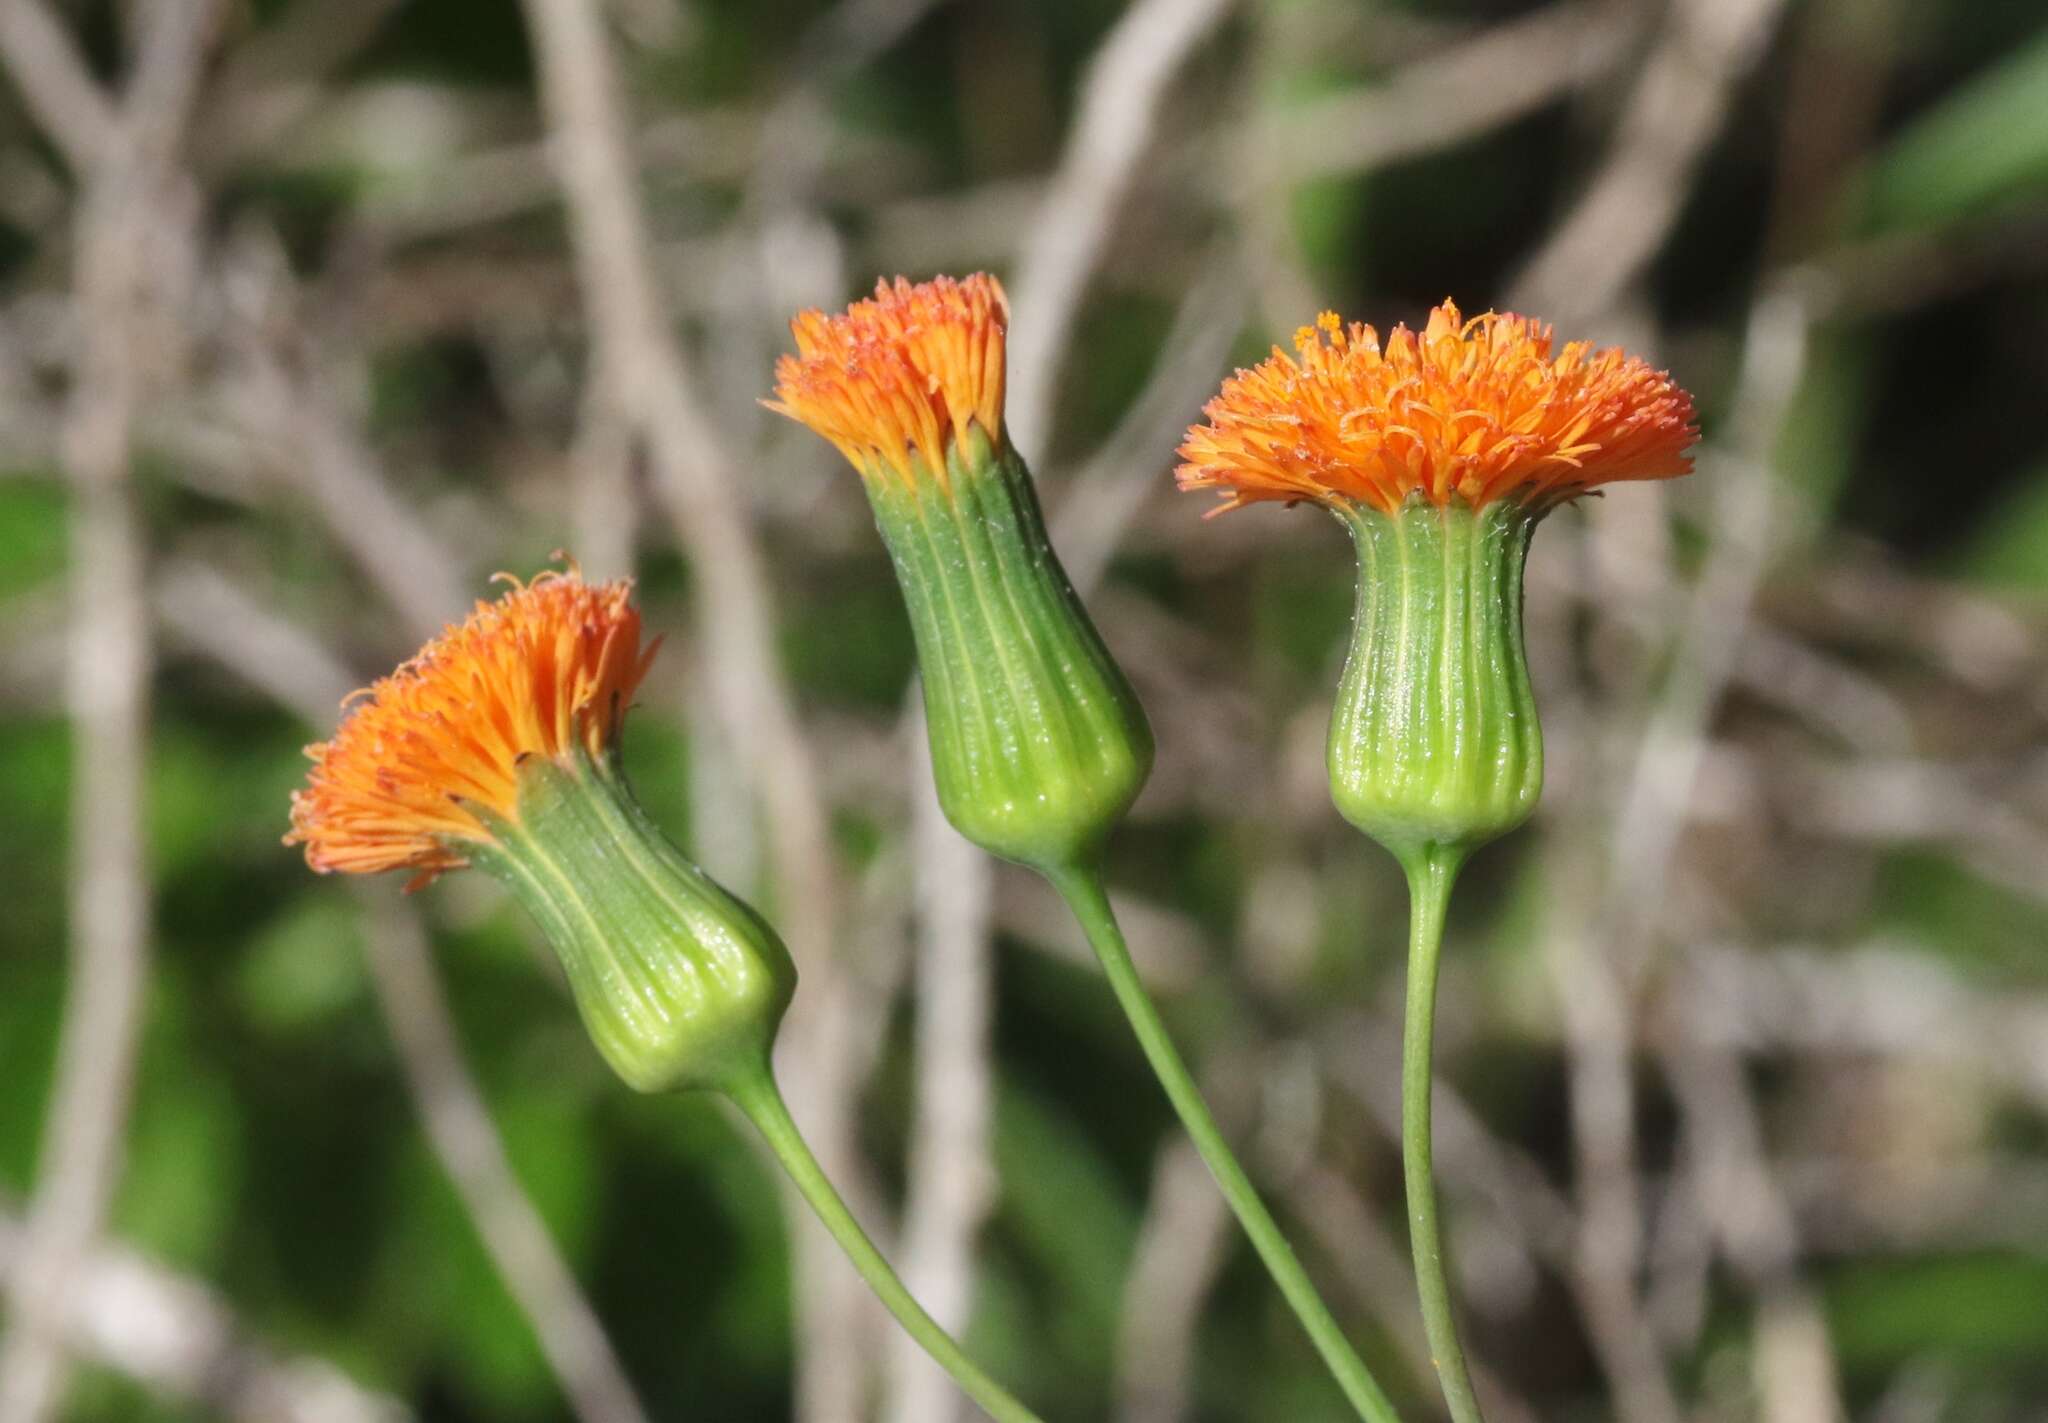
(1435, 739)
(1038, 744)
(679, 984)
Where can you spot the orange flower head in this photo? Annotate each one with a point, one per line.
(1473, 410)
(896, 376)
(425, 755)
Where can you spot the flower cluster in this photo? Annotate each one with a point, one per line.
(1440, 450)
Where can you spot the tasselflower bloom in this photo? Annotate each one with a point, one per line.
(1038, 745)
(1439, 450)
(497, 746)
(1463, 412)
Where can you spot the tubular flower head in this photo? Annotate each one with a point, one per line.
(498, 746)
(1473, 410)
(1038, 745)
(429, 754)
(896, 380)
(1440, 453)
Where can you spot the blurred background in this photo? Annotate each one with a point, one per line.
(313, 315)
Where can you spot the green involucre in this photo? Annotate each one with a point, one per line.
(1435, 738)
(679, 984)
(1038, 744)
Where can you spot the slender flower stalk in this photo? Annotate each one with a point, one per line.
(498, 746)
(1439, 452)
(1038, 744)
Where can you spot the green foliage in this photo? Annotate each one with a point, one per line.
(1982, 145)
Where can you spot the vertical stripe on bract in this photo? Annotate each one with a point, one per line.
(1474, 410)
(550, 662)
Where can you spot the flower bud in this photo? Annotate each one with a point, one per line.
(1038, 743)
(498, 746)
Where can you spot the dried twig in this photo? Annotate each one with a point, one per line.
(177, 1337)
(1126, 84)
(53, 80)
(1181, 1245)
(1477, 85)
(270, 82)
(1097, 506)
(468, 1144)
(1590, 961)
(951, 1180)
(1796, 1375)
(127, 196)
(1677, 106)
(697, 480)
(605, 504)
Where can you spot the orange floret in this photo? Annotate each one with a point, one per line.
(897, 375)
(1475, 410)
(548, 667)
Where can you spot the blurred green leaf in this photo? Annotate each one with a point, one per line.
(304, 967)
(32, 532)
(1071, 1214)
(1981, 1312)
(1984, 143)
(179, 1188)
(2011, 548)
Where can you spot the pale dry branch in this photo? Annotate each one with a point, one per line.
(1126, 83)
(1751, 510)
(272, 81)
(1884, 1000)
(951, 1178)
(1680, 100)
(1098, 505)
(459, 1123)
(178, 1338)
(1793, 1363)
(283, 403)
(1181, 1245)
(1465, 90)
(697, 480)
(1593, 961)
(604, 512)
(211, 613)
(54, 82)
(128, 193)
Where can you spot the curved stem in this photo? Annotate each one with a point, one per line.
(1431, 871)
(756, 1095)
(1081, 887)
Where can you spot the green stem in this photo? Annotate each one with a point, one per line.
(1081, 887)
(756, 1094)
(1431, 871)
